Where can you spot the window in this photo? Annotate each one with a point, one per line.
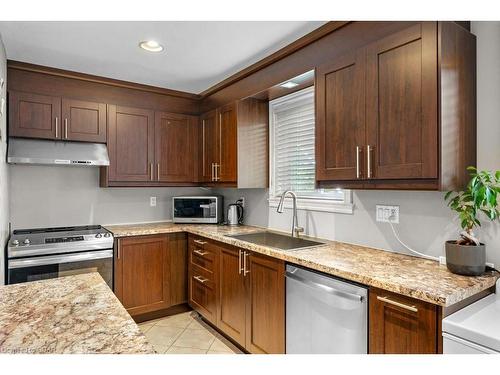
(292, 155)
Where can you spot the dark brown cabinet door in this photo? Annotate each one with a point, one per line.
(83, 121)
(265, 308)
(340, 118)
(130, 143)
(232, 296)
(208, 149)
(142, 273)
(401, 325)
(401, 105)
(34, 116)
(174, 147)
(178, 275)
(227, 144)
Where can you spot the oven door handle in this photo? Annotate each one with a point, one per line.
(55, 259)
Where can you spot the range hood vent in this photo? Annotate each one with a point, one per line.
(45, 152)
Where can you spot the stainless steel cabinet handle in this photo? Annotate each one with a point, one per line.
(398, 304)
(368, 161)
(201, 253)
(245, 271)
(66, 128)
(200, 279)
(151, 171)
(240, 267)
(325, 288)
(358, 149)
(213, 173)
(158, 171)
(57, 127)
(198, 242)
(217, 171)
(118, 252)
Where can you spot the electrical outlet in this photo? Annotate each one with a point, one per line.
(383, 213)
(242, 200)
(152, 201)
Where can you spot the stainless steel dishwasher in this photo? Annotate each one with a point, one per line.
(324, 315)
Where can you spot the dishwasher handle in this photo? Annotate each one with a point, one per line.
(324, 288)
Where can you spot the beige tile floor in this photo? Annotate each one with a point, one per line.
(185, 333)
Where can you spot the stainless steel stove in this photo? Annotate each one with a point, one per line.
(44, 253)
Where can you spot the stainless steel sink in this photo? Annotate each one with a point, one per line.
(275, 240)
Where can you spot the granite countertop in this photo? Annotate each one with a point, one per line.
(419, 278)
(73, 314)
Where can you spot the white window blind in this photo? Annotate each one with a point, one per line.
(292, 147)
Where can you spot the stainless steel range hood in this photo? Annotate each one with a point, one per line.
(42, 152)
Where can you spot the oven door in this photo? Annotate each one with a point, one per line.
(51, 266)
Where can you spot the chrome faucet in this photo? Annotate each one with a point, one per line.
(295, 227)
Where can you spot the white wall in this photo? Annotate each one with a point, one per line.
(43, 196)
(425, 221)
(4, 176)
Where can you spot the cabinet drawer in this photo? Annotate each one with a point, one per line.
(202, 254)
(401, 325)
(202, 292)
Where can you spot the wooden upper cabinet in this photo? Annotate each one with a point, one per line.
(265, 308)
(401, 97)
(83, 121)
(392, 115)
(340, 118)
(401, 325)
(218, 145)
(232, 294)
(175, 147)
(208, 146)
(142, 268)
(130, 144)
(227, 157)
(34, 116)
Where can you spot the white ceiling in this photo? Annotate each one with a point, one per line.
(197, 55)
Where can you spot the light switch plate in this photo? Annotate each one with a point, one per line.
(384, 212)
(152, 201)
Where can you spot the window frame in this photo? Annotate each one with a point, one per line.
(309, 203)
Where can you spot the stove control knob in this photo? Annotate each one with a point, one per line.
(98, 235)
(27, 241)
(15, 242)
(107, 234)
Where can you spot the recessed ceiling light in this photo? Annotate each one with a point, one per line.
(289, 85)
(151, 46)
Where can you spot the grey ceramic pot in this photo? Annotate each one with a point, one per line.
(465, 260)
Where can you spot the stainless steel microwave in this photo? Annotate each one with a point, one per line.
(198, 209)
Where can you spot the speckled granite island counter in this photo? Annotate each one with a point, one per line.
(419, 278)
(73, 314)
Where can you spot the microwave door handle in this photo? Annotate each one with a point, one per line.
(204, 206)
(55, 259)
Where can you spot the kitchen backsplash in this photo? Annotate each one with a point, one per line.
(42, 196)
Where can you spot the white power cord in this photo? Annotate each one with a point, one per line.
(389, 219)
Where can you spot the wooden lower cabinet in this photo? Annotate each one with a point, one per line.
(231, 317)
(250, 300)
(150, 272)
(203, 277)
(402, 325)
(265, 304)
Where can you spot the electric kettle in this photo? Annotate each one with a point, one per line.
(234, 214)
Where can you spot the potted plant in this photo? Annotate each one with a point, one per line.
(467, 256)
